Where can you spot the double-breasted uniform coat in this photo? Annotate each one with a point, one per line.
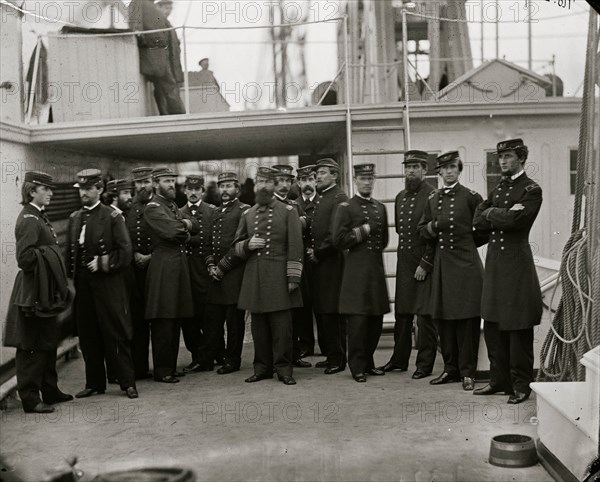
(457, 277)
(35, 338)
(223, 295)
(102, 312)
(364, 297)
(169, 297)
(193, 328)
(141, 243)
(306, 336)
(326, 275)
(412, 297)
(511, 304)
(264, 290)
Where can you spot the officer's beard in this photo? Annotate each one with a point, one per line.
(144, 195)
(263, 196)
(412, 183)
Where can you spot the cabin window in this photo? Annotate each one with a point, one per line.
(493, 172)
(573, 169)
(65, 200)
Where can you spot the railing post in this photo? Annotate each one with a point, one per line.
(186, 78)
(348, 110)
(406, 79)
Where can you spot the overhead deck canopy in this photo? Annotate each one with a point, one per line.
(199, 137)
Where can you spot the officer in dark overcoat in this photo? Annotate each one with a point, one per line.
(226, 273)
(269, 237)
(142, 253)
(169, 297)
(193, 328)
(100, 256)
(457, 277)
(511, 304)
(360, 226)
(157, 52)
(328, 266)
(40, 293)
(283, 183)
(308, 198)
(413, 272)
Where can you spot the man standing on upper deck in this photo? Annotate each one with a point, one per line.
(457, 278)
(328, 266)
(512, 300)
(158, 52)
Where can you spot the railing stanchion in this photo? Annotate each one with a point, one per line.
(34, 79)
(186, 78)
(348, 111)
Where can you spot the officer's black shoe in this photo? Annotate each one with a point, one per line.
(132, 392)
(192, 367)
(444, 378)
(334, 369)
(389, 367)
(468, 383)
(227, 368)
(167, 379)
(257, 378)
(360, 377)
(322, 364)
(220, 361)
(420, 374)
(287, 380)
(517, 397)
(301, 363)
(178, 374)
(305, 353)
(40, 408)
(58, 398)
(88, 392)
(488, 390)
(377, 372)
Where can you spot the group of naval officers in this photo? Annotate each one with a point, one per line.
(145, 271)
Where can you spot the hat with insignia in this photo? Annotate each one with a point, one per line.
(366, 169)
(508, 145)
(202, 60)
(194, 181)
(117, 185)
(162, 172)
(141, 173)
(41, 178)
(327, 162)
(414, 155)
(284, 170)
(266, 172)
(227, 177)
(447, 158)
(305, 171)
(88, 178)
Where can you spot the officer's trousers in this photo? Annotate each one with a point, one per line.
(36, 372)
(363, 336)
(459, 340)
(272, 334)
(165, 346)
(334, 332)
(511, 357)
(215, 317)
(427, 341)
(140, 344)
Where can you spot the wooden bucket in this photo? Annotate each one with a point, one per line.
(513, 450)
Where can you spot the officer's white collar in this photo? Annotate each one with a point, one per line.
(365, 198)
(191, 204)
(279, 197)
(116, 209)
(314, 195)
(447, 188)
(514, 176)
(40, 209)
(327, 189)
(89, 208)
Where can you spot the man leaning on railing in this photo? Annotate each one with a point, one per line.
(157, 54)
